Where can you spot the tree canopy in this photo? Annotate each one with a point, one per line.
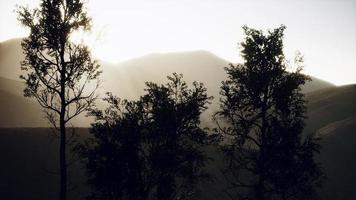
(261, 118)
(149, 148)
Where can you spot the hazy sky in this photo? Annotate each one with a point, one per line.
(323, 30)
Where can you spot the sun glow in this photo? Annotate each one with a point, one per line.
(126, 29)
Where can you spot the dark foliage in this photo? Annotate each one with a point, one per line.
(58, 73)
(262, 119)
(150, 148)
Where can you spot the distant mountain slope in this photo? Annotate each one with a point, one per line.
(127, 79)
(316, 84)
(338, 160)
(130, 76)
(19, 112)
(201, 66)
(10, 57)
(12, 86)
(330, 105)
(332, 116)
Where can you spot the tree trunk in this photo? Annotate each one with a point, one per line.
(62, 146)
(62, 158)
(261, 159)
(260, 190)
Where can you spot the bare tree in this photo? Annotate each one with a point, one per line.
(59, 74)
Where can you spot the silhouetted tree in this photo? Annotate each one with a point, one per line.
(150, 148)
(58, 72)
(262, 118)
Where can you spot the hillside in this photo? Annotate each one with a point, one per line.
(338, 160)
(29, 163)
(19, 112)
(126, 79)
(201, 66)
(130, 77)
(10, 58)
(330, 108)
(30, 155)
(332, 116)
(11, 86)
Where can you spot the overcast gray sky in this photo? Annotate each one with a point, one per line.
(323, 30)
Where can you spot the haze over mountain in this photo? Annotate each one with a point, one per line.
(331, 112)
(126, 79)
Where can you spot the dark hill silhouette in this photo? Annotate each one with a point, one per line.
(331, 108)
(338, 160)
(31, 165)
(332, 115)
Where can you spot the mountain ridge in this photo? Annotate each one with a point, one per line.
(127, 79)
(12, 46)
